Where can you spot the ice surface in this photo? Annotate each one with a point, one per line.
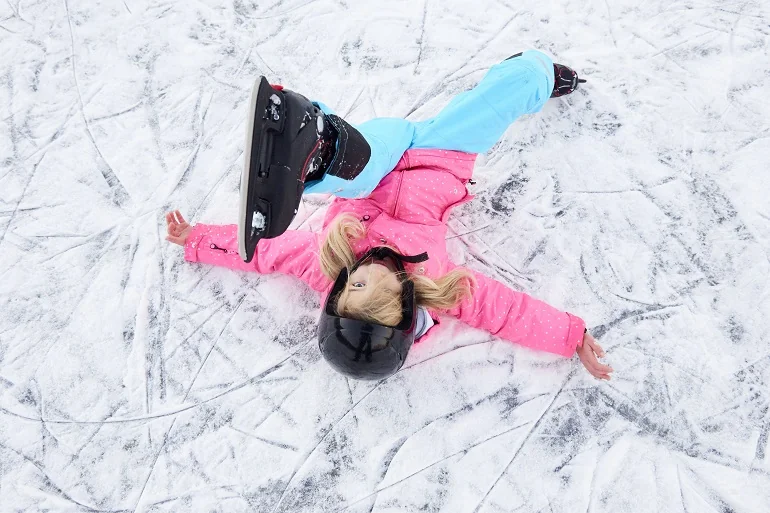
(131, 380)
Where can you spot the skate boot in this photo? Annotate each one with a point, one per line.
(565, 80)
(289, 141)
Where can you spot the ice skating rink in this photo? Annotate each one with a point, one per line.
(133, 381)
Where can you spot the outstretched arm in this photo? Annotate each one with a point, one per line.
(522, 319)
(294, 252)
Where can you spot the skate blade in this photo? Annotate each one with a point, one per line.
(249, 218)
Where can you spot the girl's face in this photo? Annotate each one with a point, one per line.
(373, 273)
(373, 292)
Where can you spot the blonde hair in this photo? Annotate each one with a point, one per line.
(383, 306)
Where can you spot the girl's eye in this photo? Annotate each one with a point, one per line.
(358, 285)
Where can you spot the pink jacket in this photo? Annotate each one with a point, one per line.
(408, 211)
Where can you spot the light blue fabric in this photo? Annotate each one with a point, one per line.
(325, 108)
(475, 120)
(388, 139)
(472, 122)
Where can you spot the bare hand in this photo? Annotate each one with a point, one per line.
(588, 353)
(178, 228)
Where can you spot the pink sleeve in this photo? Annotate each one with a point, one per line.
(520, 318)
(294, 252)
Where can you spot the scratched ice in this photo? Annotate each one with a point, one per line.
(133, 381)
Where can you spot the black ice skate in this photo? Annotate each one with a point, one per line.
(289, 141)
(565, 80)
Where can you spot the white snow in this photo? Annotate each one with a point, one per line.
(131, 380)
(257, 220)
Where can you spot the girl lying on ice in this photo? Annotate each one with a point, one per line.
(381, 262)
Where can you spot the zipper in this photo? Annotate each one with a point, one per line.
(398, 194)
(217, 248)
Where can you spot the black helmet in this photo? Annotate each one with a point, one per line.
(289, 140)
(361, 349)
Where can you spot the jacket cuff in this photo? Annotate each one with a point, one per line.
(194, 241)
(577, 328)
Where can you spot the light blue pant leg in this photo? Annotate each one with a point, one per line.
(388, 139)
(472, 122)
(475, 120)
